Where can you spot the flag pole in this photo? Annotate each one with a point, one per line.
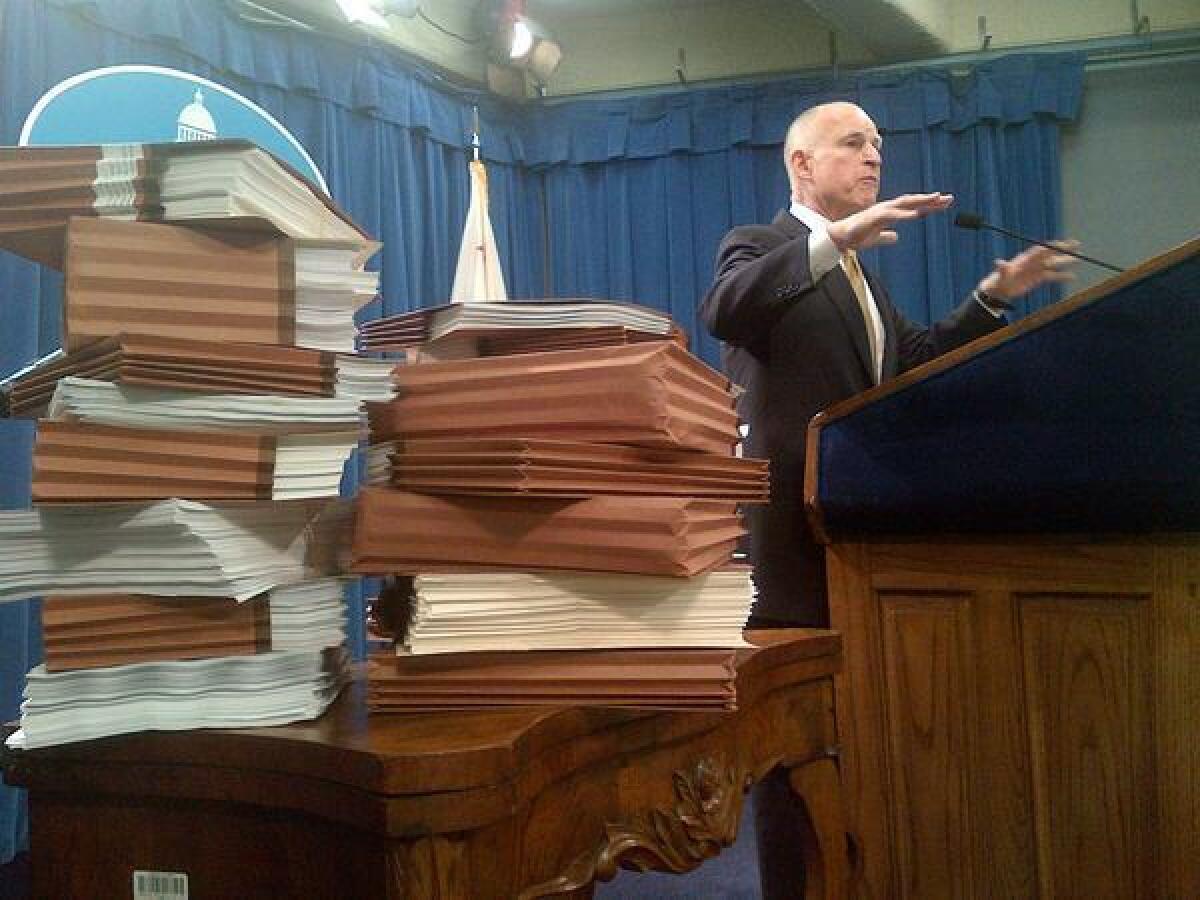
(483, 220)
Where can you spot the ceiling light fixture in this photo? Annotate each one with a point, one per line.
(522, 40)
(519, 41)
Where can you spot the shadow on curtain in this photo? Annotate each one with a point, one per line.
(623, 198)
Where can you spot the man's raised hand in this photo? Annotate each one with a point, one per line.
(873, 225)
(1013, 277)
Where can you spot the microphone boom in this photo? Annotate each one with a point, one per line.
(974, 222)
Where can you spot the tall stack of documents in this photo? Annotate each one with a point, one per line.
(191, 437)
(559, 527)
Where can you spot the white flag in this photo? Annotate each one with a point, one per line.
(478, 275)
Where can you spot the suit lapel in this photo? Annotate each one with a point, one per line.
(836, 288)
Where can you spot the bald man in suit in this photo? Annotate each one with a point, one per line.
(803, 328)
(798, 337)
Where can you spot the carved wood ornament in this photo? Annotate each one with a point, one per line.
(703, 820)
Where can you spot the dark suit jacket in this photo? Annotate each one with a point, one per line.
(797, 346)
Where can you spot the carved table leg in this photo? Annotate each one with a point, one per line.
(702, 820)
(826, 864)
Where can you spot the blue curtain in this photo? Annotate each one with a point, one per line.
(640, 190)
(623, 198)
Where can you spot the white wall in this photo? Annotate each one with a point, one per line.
(719, 40)
(1131, 164)
(737, 38)
(617, 44)
(1016, 23)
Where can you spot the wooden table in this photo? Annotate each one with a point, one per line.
(520, 803)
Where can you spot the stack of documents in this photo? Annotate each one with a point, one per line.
(544, 320)
(210, 284)
(645, 679)
(199, 366)
(106, 442)
(654, 395)
(104, 403)
(80, 463)
(225, 692)
(206, 365)
(230, 182)
(535, 467)
(540, 340)
(455, 613)
(309, 615)
(403, 532)
(175, 548)
(98, 631)
(554, 488)
(121, 629)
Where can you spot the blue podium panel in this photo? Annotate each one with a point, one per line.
(1083, 418)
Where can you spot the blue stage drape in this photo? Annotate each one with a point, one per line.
(624, 198)
(640, 190)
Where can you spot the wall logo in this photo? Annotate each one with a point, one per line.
(152, 104)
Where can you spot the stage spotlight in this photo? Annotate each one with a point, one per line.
(534, 48)
(521, 42)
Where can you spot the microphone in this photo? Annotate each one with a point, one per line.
(974, 222)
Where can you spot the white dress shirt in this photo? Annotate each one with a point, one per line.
(823, 255)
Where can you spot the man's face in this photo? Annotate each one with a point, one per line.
(840, 175)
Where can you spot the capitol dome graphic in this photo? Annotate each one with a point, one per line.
(195, 123)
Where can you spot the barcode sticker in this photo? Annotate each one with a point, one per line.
(159, 885)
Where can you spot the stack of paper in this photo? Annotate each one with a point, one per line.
(456, 613)
(79, 463)
(399, 531)
(209, 284)
(560, 480)
(187, 364)
(104, 441)
(104, 403)
(646, 679)
(226, 692)
(232, 182)
(183, 375)
(122, 629)
(644, 394)
(510, 341)
(538, 340)
(532, 467)
(308, 615)
(98, 631)
(175, 548)
(364, 378)
(514, 320)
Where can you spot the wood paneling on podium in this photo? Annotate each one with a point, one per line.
(1019, 721)
(1014, 565)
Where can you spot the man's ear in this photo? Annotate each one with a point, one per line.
(800, 164)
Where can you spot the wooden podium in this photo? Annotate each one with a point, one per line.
(1014, 564)
(454, 806)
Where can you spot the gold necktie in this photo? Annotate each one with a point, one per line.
(855, 274)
